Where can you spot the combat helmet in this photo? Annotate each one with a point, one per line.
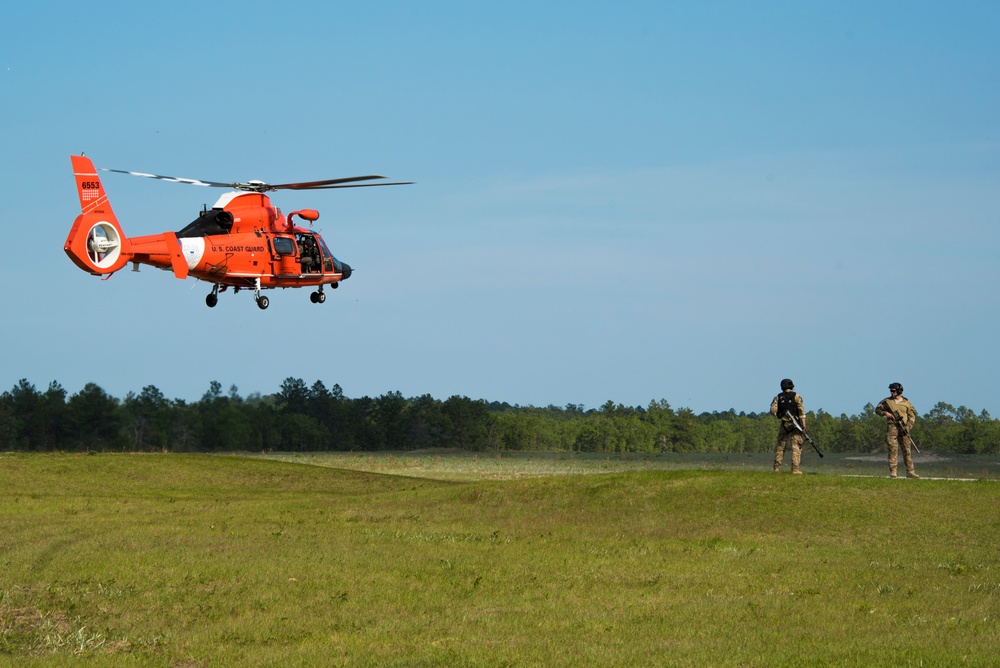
(787, 384)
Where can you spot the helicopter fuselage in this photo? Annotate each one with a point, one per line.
(261, 248)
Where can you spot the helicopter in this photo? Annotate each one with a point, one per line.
(242, 242)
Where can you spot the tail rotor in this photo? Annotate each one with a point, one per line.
(103, 245)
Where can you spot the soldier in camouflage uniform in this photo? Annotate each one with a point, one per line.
(895, 439)
(788, 401)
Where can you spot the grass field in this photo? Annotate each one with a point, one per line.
(190, 560)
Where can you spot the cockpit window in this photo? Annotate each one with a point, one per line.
(284, 246)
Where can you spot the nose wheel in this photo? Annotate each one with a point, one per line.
(318, 297)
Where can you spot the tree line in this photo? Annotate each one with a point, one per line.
(300, 417)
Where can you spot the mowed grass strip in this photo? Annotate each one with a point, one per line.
(200, 560)
(473, 466)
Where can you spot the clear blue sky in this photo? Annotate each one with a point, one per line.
(614, 201)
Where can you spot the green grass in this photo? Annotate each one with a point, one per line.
(180, 560)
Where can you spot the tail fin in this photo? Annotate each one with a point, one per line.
(96, 242)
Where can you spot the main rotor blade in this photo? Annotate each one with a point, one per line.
(364, 185)
(174, 179)
(262, 187)
(308, 185)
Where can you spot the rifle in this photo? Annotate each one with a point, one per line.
(901, 426)
(803, 431)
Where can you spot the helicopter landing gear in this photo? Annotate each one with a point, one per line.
(318, 297)
(262, 301)
(213, 297)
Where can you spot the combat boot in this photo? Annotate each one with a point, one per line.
(892, 473)
(912, 474)
(797, 472)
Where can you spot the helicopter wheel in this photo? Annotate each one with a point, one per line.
(314, 297)
(262, 302)
(211, 300)
(321, 297)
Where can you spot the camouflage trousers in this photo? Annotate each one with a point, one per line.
(897, 441)
(788, 437)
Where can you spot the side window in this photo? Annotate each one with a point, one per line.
(326, 251)
(284, 246)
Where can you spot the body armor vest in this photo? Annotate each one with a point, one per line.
(786, 402)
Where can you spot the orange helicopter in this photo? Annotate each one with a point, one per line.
(242, 242)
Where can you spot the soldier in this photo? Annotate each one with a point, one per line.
(899, 415)
(788, 402)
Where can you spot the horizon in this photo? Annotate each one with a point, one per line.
(227, 391)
